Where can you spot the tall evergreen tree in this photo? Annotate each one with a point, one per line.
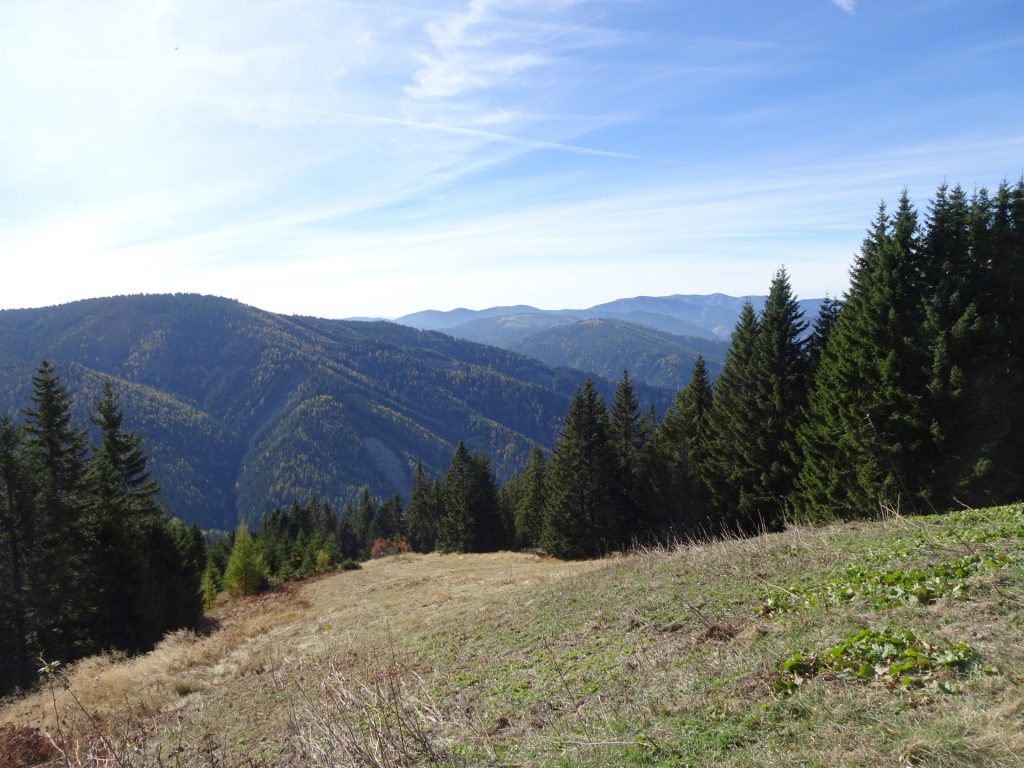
(964, 420)
(732, 422)
(823, 324)
(17, 555)
(678, 452)
(1006, 283)
(470, 521)
(780, 390)
(529, 509)
(580, 516)
(423, 513)
(865, 433)
(55, 453)
(629, 432)
(123, 507)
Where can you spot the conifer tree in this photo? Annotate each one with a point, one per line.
(780, 390)
(731, 423)
(17, 557)
(529, 509)
(246, 572)
(1006, 264)
(123, 507)
(865, 433)
(423, 513)
(963, 416)
(629, 433)
(580, 517)
(823, 324)
(55, 452)
(470, 521)
(679, 449)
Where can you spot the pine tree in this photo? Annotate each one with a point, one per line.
(629, 433)
(529, 509)
(246, 572)
(580, 517)
(780, 391)
(122, 505)
(865, 432)
(470, 521)
(423, 513)
(731, 423)
(823, 324)
(64, 582)
(17, 555)
(963, 419)
(1006, 248)
(678, 450)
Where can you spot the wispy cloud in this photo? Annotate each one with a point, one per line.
(343, 157)
(847, 5)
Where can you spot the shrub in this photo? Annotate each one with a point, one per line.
(387, 547)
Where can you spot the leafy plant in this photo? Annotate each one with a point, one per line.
(893, 657)
(886, 588)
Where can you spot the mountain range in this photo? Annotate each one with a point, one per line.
(243, 410)
(657, 338)
(710, 316)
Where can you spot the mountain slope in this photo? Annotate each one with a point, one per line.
(765, 651)
(605, 347)
(243, 410)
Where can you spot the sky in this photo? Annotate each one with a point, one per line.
(345, 158)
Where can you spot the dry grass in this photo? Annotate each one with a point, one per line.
(659, 658)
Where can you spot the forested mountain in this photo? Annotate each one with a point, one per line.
(243, 410)
(656, 337)
(606, 347)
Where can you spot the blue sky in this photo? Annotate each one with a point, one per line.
(357, 158)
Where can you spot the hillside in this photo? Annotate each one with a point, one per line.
(895, 642)
(243, 410)
(605, 347)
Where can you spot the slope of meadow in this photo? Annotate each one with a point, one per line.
(898, 642)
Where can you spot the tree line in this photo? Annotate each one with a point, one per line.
(88, 558)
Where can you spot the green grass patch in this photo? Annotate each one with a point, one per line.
(893, 657)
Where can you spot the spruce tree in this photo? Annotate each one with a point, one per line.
(55, 454)
(629, 433)
(580, 516)
(823, 324)
(865, 432)
(732, 422)
(780, 390)
(1006, 247)
(470, 521)
(529, 509)
(123, 507)
(678, 451)
(963, 417)
(17, 559)
(423, 513)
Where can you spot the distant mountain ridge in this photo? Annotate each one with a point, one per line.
(710, 316)
(243, 410)
(657, 338)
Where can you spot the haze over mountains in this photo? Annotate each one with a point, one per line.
(708, 317)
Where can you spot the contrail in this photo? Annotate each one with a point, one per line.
(476, 132)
